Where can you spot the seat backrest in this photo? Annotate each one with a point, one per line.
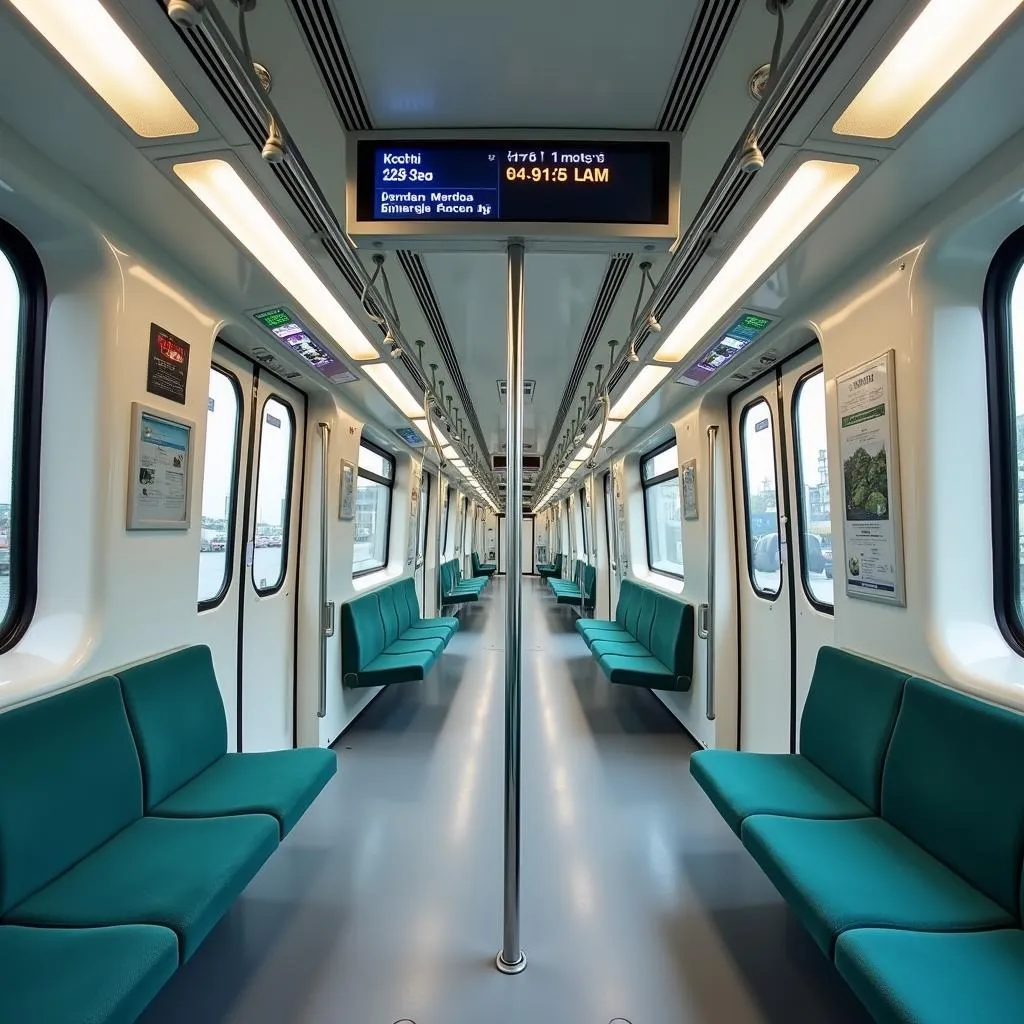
(628, 594)
(646, 608)
(389, 615)
(589, 589)
(476, 562)
(558, 563)
(362, 633)
(672, 635)
(69, 780)
(177, 715)
(954, 783)
(407, 602)
(848, 720)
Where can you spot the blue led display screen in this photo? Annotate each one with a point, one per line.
(514, 182)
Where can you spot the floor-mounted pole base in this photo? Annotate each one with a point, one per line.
(517, 968)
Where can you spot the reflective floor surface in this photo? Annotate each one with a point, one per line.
(384, 904)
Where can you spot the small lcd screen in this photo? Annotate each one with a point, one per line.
(514, 182)
(286, 327)
(746, 329)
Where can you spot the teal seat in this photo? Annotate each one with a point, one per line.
(460, 581)
(182, 873)
(935, 977)
(451, 591)
(483, 568)
(741, 784)
(625, 648)
(845, 729)
(632, 671)
(178, 720)
(863, 872)
(551, 569)
(281, 783)
(407, 607)
(600, 629)
(388, 668)
(82, 975)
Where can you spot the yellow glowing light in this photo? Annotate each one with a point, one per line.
(638, 391)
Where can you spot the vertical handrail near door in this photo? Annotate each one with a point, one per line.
(706, 612)
(511, 959)
(326, 607)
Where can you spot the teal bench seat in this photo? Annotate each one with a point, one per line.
(918, 901)
(483, 568)
(95, 879)
(455, 589)
(580, 591)
(384, 640)
(546, 570)
(75, 975)
(649, 643)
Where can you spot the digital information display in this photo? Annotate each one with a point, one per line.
(514, 182)
(289, 331)
(744, 331)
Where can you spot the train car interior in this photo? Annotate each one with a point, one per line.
(511, 513)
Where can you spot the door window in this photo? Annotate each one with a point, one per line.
(762, 499)
(375, 479)
(815, 511)
(273, 496)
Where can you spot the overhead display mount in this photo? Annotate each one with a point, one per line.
(574, 187)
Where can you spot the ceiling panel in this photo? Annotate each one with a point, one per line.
(462, 63)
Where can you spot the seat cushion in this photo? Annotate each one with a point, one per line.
(442, 633)
(281, 783)
(848, 720)
(448, 621)
(967, 808)
(177, 716)
(396, 668)
(937, 977)
(623, 648)
(83, 975)
(182, 873)
(861, 873)
(431, 645)
(631, 671)
(595, 629)
(69, 781)
(740, 784)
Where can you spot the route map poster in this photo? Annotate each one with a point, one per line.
(868, 448)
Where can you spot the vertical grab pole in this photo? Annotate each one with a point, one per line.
(326, 607)
(511, 959)
(442, 500)
(707, 631)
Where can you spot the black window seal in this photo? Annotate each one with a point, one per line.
(286, 525)
(765, 595)
(646, 485)
(389, 485)
(801, 523)
(1006, 267)
(23, 572)
(229, 546)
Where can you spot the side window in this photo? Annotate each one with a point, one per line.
(220, 475)
(1004, 328)
(424, 514)
(273, 496)
(22, 330)
(659, 476)
(762, 500)
(375, 481)
(814, 510)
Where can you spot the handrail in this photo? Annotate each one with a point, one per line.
(326, 607)
(706, 630)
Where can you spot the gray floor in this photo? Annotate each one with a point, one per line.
(385, 903)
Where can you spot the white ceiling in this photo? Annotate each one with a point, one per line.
(532, 63)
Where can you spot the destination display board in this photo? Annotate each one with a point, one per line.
(742, 333)
(514, 181)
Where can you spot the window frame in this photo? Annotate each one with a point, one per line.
(1004, 272)
(366, 474)
(27, 422)
(229, 546)
(765, 595)
(801, 524)
(287, 523)
(645, 485)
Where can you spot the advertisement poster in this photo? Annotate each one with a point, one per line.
(347, 509)
(293, 334)
(689, 484)
(160, 468)
(868, 447)
(167, 372)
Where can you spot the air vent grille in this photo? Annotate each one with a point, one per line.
(704, 46)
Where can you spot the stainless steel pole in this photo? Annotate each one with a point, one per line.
(326, 607)
(511, 959)
(709, 608)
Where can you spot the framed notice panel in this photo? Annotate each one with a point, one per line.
(159, 471)
(688, 480)
(869, 449)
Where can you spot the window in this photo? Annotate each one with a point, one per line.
(813, 508)
(22, 329)
(220, 473)
(373, 509)
(1004, 324)
(273, 496)
(424, 514)
(659, 476)
(583, 521)
(762, 500)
